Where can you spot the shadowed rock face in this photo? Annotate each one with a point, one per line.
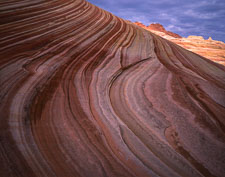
(85, 93)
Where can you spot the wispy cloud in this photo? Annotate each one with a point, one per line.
(202, 17)
(174, 28)
(199, 15)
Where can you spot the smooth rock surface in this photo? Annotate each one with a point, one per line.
(85, 93)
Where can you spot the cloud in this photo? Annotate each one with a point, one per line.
(202, 17)
(174, 28)
(199, 15)
(167, 16)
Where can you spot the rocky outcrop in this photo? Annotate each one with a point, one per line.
(159, 30)
(140, 24)
(211, 49)
(159, 27)
(210, 39)
(85, 93)
(214, 50)
(156, 27)
(198, 38)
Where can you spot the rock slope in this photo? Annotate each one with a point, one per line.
(211, 49)
(85, 93)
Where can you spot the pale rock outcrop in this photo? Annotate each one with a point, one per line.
(211, 49)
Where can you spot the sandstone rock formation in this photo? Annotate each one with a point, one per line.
(214, 50)
(159, 27)
(159, 30)
(211, 49)
(85, 93)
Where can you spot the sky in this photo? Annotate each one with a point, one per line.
(185, 17)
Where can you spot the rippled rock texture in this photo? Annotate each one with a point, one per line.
(85, 93)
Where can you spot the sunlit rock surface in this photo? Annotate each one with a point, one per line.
(85, 93)
(159, 30)
(211, 49)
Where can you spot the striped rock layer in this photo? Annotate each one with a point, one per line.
(85, 93)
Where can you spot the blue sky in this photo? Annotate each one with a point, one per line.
(185, 17)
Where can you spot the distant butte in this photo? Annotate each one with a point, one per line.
(156, 27)
(211, 49)
(159, 27)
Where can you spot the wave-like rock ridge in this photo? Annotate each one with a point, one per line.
(85, 93)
